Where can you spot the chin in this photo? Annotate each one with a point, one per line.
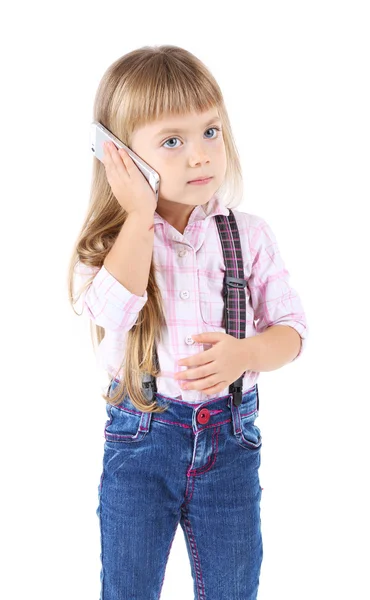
(191, 199)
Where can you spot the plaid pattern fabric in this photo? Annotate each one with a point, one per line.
(191, 271)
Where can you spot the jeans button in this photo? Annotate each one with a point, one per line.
(203, 416)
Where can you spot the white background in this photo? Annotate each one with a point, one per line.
(295, 77)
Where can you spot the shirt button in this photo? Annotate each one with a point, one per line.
(189, 340)
(182, 252)
(184, 294)
(203, 416)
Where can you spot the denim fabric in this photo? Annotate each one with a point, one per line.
(197, 465)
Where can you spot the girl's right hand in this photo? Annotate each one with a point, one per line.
(128, 184)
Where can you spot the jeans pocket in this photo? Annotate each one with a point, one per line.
(247, 433)
(126, 425)
(250, 435)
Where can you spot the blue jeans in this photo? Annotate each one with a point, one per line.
(197, 465)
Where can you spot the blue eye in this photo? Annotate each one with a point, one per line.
(174, 138)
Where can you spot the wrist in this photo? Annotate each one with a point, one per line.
(144, 218)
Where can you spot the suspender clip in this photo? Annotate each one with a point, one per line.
(236, 389)
(150, 386)
(233, 282)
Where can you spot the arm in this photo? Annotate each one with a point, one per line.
(118, 291)
(280, 320)
(130, 256)
(272, 349)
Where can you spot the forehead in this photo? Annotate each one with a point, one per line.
(183, 122)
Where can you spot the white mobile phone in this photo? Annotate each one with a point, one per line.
(100, 134)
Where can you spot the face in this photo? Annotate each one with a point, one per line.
(191, 147)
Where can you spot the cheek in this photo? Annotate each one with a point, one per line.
(168, 167)
(220, 153)
(171, 173)
(224, 163)
(165, 167)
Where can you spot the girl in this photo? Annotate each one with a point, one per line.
(181, 447)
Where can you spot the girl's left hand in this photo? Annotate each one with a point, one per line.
(216, 368)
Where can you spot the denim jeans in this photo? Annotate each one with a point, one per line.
(197, 465)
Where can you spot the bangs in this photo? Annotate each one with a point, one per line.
(164, 91)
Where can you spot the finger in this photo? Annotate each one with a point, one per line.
(196, 373)
(105, 157)
(109, 166)
(199, 383)
(127, 160)
(214, 389)
(118, 162)
(115, 157)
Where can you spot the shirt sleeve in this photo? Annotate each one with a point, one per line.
(108, 303)
(273, 300)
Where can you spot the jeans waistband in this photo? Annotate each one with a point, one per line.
(214, 411)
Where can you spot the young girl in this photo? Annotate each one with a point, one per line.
(181, 446)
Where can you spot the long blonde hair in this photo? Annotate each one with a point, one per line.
(142, 86)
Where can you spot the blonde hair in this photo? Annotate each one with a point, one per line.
(180, 83)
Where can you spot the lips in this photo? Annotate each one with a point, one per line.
(199, 179)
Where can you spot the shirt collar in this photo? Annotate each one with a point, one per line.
(213, 207)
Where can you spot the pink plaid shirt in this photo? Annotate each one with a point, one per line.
(190, 276)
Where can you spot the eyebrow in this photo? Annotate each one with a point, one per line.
(179, 130)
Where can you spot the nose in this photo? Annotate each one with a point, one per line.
(198, 155)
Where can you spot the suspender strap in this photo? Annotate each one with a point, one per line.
(234, 288)
(234, 316)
